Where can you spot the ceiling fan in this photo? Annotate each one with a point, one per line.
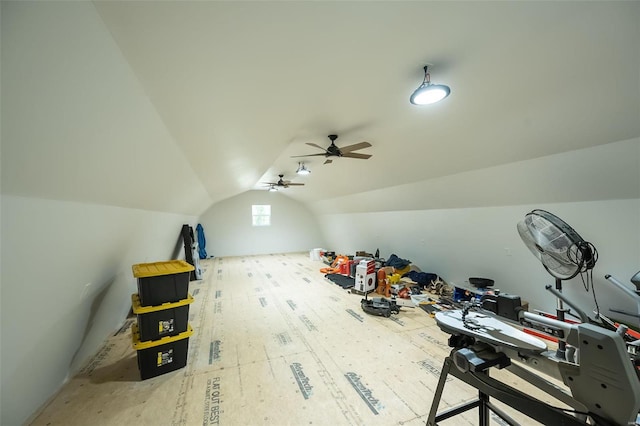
(281, 183)
(334, 151)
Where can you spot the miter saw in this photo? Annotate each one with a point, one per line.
(603, 383)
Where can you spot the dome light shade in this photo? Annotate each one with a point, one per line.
(429, 93)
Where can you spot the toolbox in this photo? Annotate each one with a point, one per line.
(168, 319)
(161, 356)
(162, 282)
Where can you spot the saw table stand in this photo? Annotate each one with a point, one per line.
(471, 365)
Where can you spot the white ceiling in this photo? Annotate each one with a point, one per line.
(242, 86)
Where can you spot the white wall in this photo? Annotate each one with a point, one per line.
(483, 242)
(229, 232)
(76, 126)
(604, 172)
(472, 231)
(52, 319)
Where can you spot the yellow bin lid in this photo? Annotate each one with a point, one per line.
(155, 269)
(139, 309)
(138, 345)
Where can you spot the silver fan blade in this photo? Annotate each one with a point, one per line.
(546, 233)
(552, 239)
(554, 265)
(354, 147)
(559, 269)
(528, 240)
(356, 155)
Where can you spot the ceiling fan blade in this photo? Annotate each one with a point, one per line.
(295, 184)
(356, 155)
(328, 161)
(317, 146)
(308, 155)
(355, 147)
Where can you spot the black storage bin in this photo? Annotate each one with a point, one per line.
(156, 322)
(162, 282)
(161, 356)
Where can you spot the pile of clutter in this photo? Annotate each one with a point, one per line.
(393, 278)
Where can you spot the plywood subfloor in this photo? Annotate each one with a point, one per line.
(275, 343)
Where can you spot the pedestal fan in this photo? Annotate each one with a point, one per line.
(560, 249)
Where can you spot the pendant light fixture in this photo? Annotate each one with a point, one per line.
(302, 169)
(429, 93)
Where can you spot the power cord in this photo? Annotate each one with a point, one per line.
(585, 257)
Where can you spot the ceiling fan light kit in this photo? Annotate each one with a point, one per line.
(429, 93)
(302, 169)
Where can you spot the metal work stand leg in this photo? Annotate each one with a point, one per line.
(483, 403)
(431, 421)
(483, 409)
(489, 387)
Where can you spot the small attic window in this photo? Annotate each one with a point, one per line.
(261, 215)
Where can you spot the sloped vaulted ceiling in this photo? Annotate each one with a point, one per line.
(231, 90)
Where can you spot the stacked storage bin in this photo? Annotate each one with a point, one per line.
(161, 333)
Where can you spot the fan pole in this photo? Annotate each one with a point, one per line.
(562, 345)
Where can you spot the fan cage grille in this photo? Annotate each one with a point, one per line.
(554, 243)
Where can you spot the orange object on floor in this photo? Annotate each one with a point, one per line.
(382, 278)
(404, 293)
(335, 267)
(387, 288)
